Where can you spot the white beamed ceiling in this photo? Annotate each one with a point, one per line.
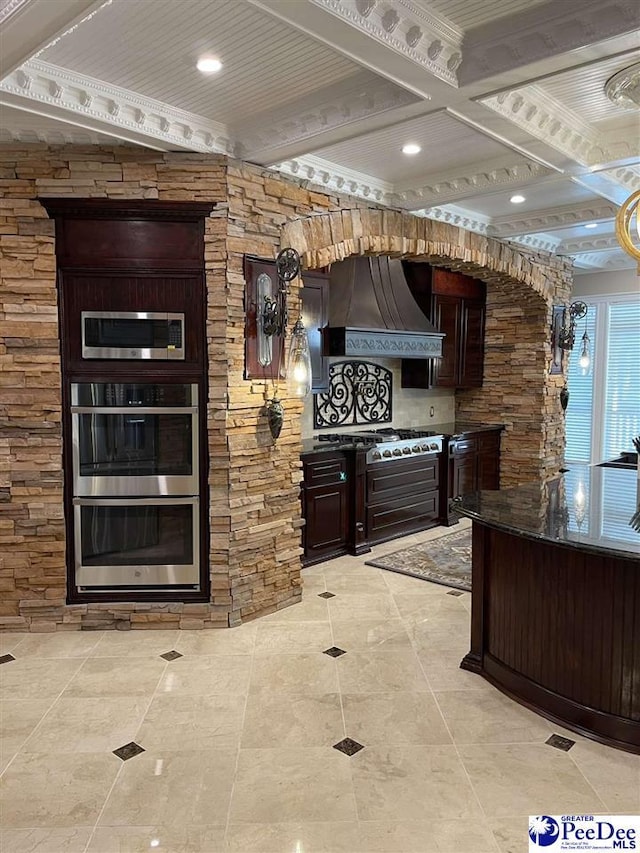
(329, 90)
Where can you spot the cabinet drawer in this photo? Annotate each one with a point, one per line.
(401, 515)
(402, 478)
(329, 469)
(465, 445)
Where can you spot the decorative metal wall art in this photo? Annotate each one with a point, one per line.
(359, 393)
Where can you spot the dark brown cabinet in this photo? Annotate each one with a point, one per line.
(326, 497)
(474, 465)
(455, 303)
(315, 316)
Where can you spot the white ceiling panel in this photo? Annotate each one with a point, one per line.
(151, 47)
(541, 196)
(471, 13)
(582, 89)
(446, 145)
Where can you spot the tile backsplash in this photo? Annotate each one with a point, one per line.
(411, 406)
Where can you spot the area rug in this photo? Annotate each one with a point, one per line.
(445, 560)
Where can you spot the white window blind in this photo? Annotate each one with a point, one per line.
(622, 383)
(579, 415)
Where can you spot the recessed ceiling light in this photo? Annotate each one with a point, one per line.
(208, 64)
(411, 148)
(517, 199)
(591, 225)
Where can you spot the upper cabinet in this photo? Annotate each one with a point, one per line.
(315, 315)
(455, 304)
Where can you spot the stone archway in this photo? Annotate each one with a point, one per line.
(518, 389)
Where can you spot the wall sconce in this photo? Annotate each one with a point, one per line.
(567, 334)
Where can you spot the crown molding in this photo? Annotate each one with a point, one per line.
(10, 7)
(542, 242)
(448, 187)
(324, 174)
(586, 245)
(422, 36)
(80, 97)
(336, 106)
(454, 215)
(592, 262)
(553, 219)
(542, 32)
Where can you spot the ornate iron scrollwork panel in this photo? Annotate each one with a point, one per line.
(359, 393)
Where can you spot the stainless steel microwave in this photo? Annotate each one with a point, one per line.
(132, 334)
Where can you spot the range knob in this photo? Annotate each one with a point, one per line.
(424, 447)
(406, 450)
(397, 451)
(386, 453)
(376, 455)
(434, 446)
(416, 448)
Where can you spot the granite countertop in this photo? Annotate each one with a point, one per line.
(456, 428)
(589, 507)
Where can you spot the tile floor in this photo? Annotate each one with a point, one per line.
(238, 734)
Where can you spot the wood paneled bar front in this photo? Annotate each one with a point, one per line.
(556, 600)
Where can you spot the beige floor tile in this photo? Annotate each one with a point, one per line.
(18, 719)
(522, 779)
(433, 836)
(614, 775)
(88, 725)
(369, 582)
(207, 675)
(442, 668)
(218, 641)
(135, 644)
(192, 722)
(189, 788)
(56, 790)
(488, 716)
(436, 636)
(294, 674)
(511, 834)
(281, 785)
(293, 637)
(310, 609)
(9, 641)
(157, 839)
(406, 783)
(398, 584)
(36, 679)
(359, 634)
(116, 677)
(377, 719)
(380, 672)
(273, 720)
(320, 837)
(45, 840)
(362, 606)
(312, 583)
(432, 608)
(67, 644)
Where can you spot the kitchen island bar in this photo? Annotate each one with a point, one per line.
(556, 599)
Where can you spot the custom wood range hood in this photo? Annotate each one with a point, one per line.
(373, 313)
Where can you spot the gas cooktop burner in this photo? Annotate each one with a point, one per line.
(389, 444)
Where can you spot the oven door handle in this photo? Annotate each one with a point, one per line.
(130, 410)
(168, 501)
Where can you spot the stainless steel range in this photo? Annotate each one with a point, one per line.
(401, 482)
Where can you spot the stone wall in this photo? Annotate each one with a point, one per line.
(254, 482)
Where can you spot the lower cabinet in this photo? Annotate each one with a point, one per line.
(474, 465)
(326, 499)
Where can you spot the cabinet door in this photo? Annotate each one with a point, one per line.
(315, 315)
(464, 474)
(489, 460)
(471, 367)
(326, 514)
(447, 315)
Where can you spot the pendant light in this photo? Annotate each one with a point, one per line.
(585, 355)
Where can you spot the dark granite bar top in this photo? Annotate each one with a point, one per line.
(589, 508)
(456, 428)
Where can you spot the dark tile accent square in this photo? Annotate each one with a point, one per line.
(129, 750)
(326, 595)
(348, 746)
(563, 743)
(334, 652)
(455, 592)
(172, 655)
(6, 658)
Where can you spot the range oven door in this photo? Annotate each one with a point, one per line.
(149, 542)
(134, 439)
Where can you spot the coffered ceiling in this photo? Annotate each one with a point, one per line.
(503, 97)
